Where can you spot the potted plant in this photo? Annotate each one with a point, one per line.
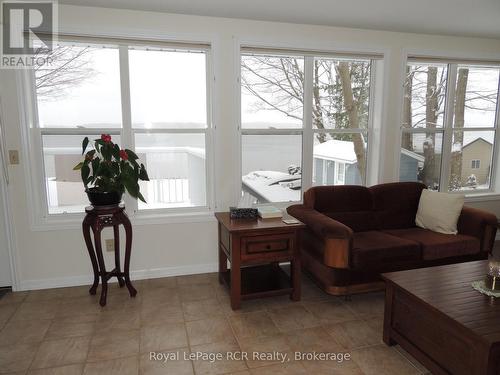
(107, 171)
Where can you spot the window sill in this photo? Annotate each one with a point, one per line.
(74, 221)
(482, 197)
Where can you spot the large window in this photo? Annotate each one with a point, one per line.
(150, 98)
(305, 121)
(449, 125)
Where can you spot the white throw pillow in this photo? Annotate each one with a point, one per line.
(439, 212)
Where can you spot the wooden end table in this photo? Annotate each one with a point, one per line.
(97, 218)
(255, 248)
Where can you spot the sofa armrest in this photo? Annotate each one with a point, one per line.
(322, 225)
(480, 224)
(336, 238)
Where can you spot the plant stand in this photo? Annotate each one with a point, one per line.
(97, 218)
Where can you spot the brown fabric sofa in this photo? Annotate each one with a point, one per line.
(354, 233)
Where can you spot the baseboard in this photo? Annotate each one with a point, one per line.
(61, 282)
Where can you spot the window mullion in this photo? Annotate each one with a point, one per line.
(127, 132)
(448, 127)
(307, 134)
(496, 145)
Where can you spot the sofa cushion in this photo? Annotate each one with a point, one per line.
(374, 249)
(395, 204)
(358, 221)
(351, 205)
(438, 245)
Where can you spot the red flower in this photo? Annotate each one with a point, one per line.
(106, 138)
(123, 155)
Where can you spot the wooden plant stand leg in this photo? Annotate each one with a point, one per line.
(102, 266)
(116, 233)
(88, 241)
(128, 249)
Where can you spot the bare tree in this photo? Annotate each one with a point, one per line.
(458, 136)
(68, 67)
(340, 94)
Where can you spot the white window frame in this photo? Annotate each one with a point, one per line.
(448, 128)
(475, 164)
(307, 131)
(33, 151)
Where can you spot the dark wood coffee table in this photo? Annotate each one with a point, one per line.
(435, 315)
(255, 248)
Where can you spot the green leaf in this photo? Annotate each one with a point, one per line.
(143, 174)
(85, 172)
(139, 195)
(85, 143)
(78, 166)
(95, 165)
(131, 155)
(116, 152)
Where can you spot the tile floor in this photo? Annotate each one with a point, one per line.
(66, 332)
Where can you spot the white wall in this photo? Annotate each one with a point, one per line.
(58, 257)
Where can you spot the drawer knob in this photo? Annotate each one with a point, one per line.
(268, 247)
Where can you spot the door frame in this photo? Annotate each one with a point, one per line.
(7, 214)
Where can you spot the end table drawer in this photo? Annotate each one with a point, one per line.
(276, 243)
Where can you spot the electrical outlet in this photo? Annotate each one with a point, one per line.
(110, 245)
(13, 157)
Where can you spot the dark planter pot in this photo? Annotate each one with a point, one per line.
(99, 198)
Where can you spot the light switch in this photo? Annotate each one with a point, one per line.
(13, 157)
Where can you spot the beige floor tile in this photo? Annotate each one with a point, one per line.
(259, 348)
(178, 366)
(203, 309)
(163, 337)
(381, 359)
(37, 310)
(293, 317)
(22, 332)
(118, 321)
(16, 358)
(79, 306)
(190, 293)
(199, 279)
(278, 302)
(120, 300)
(331, 367)
(153, 315)
(253, 324)
(252, 305)
(64, 329)
(161, 296)
(63, 370)
(6, 312)
(77, 292)
(376, 323)
(54, 353)
(112, 345)
(223, 366)
(292, 368)
(310, 292)
(312, 339)
(13, 298)
(120, 366)
(366, 305)
(354, 334)
(207, 331)
(44, 295)
(162, 282)
(332, 311)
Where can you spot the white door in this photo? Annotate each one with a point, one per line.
(5, 276)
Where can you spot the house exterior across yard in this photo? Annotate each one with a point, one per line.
(476, 160)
